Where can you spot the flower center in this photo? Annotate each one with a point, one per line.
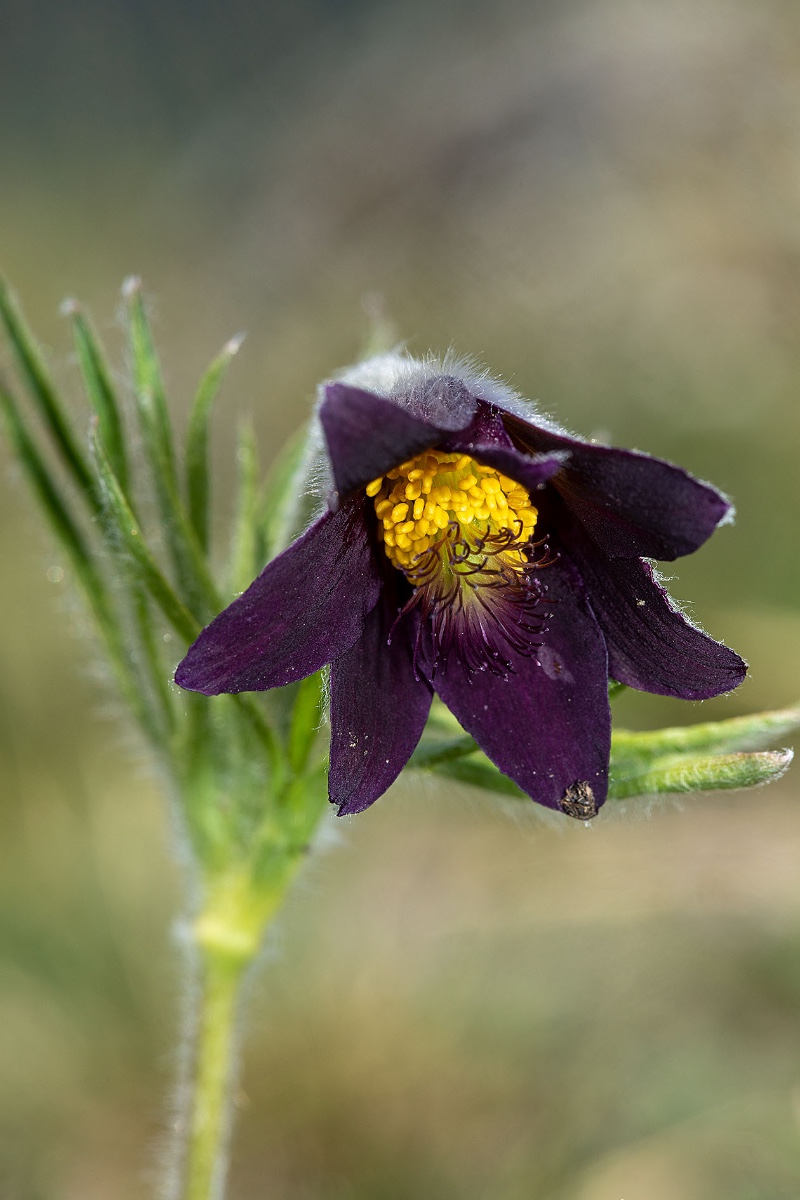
(461, 533)
(441, 501)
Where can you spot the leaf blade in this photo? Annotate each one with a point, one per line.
(242, 566)
(285, 490)
(306, 715)
(718, 772)
(197, 439)
(99, 388)
(756, 731)
(194, 584)
(65, 528)
(149, 392)
(125, 528)
(43, 394)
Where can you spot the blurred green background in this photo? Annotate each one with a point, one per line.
(602, 201)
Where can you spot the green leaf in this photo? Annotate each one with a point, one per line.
(52, 502)
(433, 752)
(304, 726)
(150, 658)
(99, 388)
(442, 722)
(263, 730)
(754, 732)
(703, 774)
(194, 583)
(458, 756)
(67, 532)
(242, 567)
(287, 831)
(127, 534)
(38, 383)
(197, 438)
(285, 500)
(148, 382)
(480, 773)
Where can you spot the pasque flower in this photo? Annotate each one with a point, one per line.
(471, 548)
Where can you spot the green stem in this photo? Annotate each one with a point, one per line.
(228, 933)
(206, 1156)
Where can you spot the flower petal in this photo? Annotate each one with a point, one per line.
(548, 725)
(367, 435)
(632, 504)
(651, 644)
(486, 441)
(305, 608)
(378, 707)
(443, 400)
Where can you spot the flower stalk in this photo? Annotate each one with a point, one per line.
(250, 772)
(227, 935)
(210, 1118)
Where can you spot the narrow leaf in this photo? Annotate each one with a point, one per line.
(704, 774)
(194, 583)
(58, 515)
(442, 722)
(128, 536)
(306, 716)
(263, 730)
(754, 732)
(432, 753)
(65, 528)
(148, 381)
(480, 773)
(100, 389)
(285, 496)
(242, 567)
(37, 381)
(151, 657)
(197, 437)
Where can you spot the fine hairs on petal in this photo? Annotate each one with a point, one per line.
(730, 515)
(319, 479)
(315, 480)
(681, 607)
(400, 377)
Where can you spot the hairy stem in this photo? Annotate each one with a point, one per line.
(227, 933)
(215, 1070)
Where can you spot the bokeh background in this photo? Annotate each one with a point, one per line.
(601, 200)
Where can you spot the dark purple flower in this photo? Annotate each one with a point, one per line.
(473, 549)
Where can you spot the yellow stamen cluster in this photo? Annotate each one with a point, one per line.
(418, 503)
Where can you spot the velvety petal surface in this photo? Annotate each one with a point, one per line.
(651, 644)
(548, 725)
(306, 608)
(367, 435)
(378, 707)
(633, 505)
